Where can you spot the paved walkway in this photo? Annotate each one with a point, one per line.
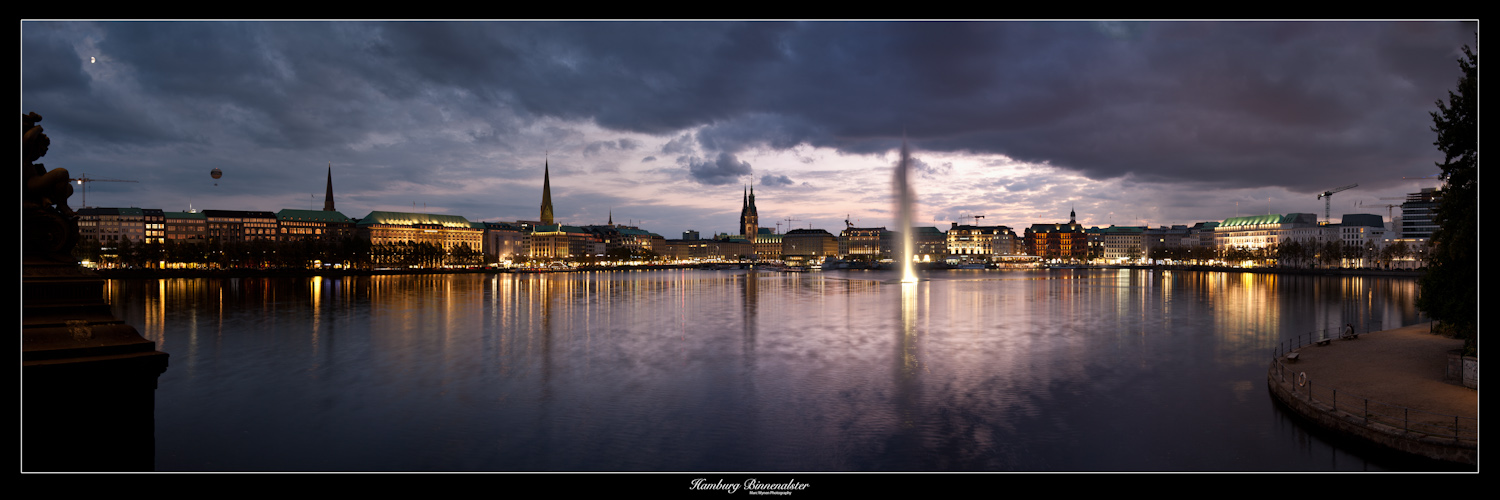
(1404, 366)
(1348, 380)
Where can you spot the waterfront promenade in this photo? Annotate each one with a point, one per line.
(1388, 387)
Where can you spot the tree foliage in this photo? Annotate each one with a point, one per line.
(1450, 287)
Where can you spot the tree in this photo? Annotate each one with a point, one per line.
(1449, 289)
(1330, 253)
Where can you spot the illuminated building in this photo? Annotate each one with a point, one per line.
(1058, 241)
(685, 249)
(551, 240)
(1122, 243)
(634, 240)
(186, 227)
(730, 249)
(1156, 240)
(109, 226)
(1202, 234)
(155, 222)
(558, 241)
(320, 225)
(980, 243)
(768, 246)
(226, 226)
(809, 245)
(1361, 235)
(505, 241)
(866, 243)
(446, 232)
(931, 244)
(1262, 231)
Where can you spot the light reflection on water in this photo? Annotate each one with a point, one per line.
(1071, 370)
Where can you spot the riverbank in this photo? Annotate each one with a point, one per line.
(1389, 388)
(1414, 273)
(247, 273)
(279, 273)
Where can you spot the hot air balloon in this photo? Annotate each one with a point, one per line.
(216, 174)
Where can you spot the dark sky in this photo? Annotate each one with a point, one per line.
(665, 123)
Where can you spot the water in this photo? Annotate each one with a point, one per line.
(1063, 370)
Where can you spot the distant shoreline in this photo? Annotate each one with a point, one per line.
(278, 273)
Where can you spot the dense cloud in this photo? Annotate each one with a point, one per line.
(1300, 105)
(775, 180)
(726, 169)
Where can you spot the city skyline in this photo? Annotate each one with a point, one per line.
(1129, 123)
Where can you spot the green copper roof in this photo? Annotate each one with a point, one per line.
(406, 218)
(1255, 220)
(311, 215)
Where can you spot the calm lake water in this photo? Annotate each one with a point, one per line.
(1062, 370)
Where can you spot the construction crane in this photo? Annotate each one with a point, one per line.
(789, 222)
(82, 178)
(1327, 197)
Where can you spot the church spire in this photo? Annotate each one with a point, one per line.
(546, 194)
(328, 197)
(749, 219)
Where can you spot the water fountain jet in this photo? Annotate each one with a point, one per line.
(904, 201)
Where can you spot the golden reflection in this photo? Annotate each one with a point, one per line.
(907, 356)
(315, 287)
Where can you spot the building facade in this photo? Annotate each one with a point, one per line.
(391, 234)
(980, 243)
(186, 227)
(1057, 241)
(109, 226)
(1257, 232)
(866, 243)
(229, 226)
(318, 225)
(559, 241)
(1417, 214)
(505, 242)
(931, 244)
(808, 245)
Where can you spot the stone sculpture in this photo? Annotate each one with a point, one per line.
(49, 228)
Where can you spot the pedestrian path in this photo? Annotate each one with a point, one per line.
(1389, 387)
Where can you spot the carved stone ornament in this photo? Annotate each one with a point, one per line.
(49, 229)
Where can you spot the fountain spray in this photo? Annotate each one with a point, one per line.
(904, 201)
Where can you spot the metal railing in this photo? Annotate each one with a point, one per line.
(1368, 411)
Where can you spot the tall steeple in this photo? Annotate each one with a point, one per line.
(328, 198)
(546, 194)
(749, 218)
